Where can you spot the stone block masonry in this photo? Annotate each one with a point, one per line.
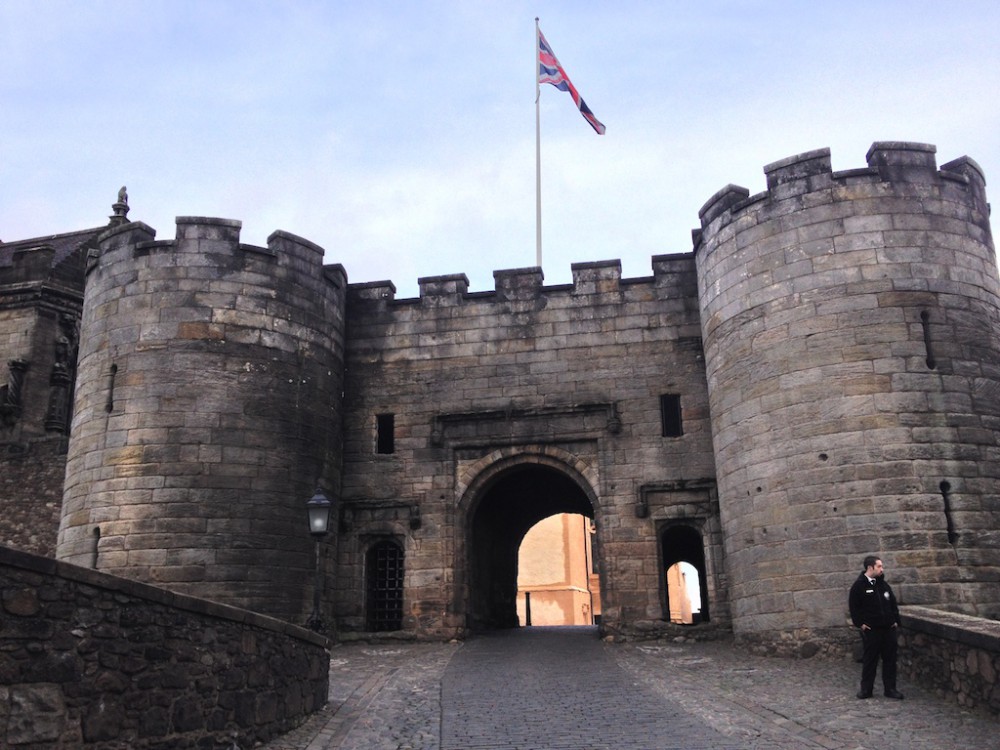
(494, 396)
(818, 380)
(89, 660)
(30, 520)
(850, 323)
(41, 292)
(208, 412)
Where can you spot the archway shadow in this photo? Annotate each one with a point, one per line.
(514, 502)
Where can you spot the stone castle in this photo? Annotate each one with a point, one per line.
(819, 379)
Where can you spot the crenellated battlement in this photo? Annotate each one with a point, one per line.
(519, 283)
(890, 162)
(670, 272)
(220, 239)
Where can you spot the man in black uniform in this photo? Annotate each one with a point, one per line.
(874, 611)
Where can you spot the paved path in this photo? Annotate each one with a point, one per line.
(563, 689)
(538, 689)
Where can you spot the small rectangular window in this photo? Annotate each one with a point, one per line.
(385, 428)
(670, 415)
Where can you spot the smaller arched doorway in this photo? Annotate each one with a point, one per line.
(683, 555)
(503, 510)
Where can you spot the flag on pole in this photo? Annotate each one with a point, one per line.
(550, 71)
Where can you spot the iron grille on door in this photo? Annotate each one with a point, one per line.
(385, 587)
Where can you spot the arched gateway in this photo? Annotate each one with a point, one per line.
(511, 493)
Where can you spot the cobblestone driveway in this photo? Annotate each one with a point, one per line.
(563, 689)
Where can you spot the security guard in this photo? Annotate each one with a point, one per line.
(875, 612)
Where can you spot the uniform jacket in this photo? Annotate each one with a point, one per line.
(873, 604)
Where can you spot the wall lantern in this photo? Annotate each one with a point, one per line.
(318, 508)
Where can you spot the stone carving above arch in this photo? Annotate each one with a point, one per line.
(474, 475)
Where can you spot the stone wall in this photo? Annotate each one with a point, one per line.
(559, 386)
(41, 292)
(89, 660)
(956, 655)
(31, 482)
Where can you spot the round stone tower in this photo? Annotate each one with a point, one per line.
(850, 325)
(207, 412)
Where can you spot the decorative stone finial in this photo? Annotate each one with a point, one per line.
(120, 209)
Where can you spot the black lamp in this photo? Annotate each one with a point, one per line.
(318, 508)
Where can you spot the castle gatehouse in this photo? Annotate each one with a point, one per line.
(817, 380)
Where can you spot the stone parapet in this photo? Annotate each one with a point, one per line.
(956, 655)
(100, 662)
(523, 284)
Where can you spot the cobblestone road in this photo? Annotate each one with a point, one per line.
(563, 689)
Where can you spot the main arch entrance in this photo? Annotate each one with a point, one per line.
(503, 509)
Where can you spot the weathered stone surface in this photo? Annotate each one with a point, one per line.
(121, 664)
(956, 655)
(103, 721)
(868, 365)
(23, 602)
(37, 713)
(213, 390)
(832, 341)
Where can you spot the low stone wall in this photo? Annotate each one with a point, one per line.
(89, 660)
(957, 656)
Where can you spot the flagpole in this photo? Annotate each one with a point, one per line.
(538, 159)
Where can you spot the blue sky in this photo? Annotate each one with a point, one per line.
(400, 136)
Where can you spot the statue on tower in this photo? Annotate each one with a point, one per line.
(120, 208)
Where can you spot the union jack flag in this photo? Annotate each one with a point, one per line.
(550, 71)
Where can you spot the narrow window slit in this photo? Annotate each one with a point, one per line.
(945, 489)
(96, 549)
(925, 322)
(110, 404)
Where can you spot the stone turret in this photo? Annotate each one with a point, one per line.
(208, 410)
(850, 326)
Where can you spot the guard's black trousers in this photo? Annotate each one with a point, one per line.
(879, 643)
